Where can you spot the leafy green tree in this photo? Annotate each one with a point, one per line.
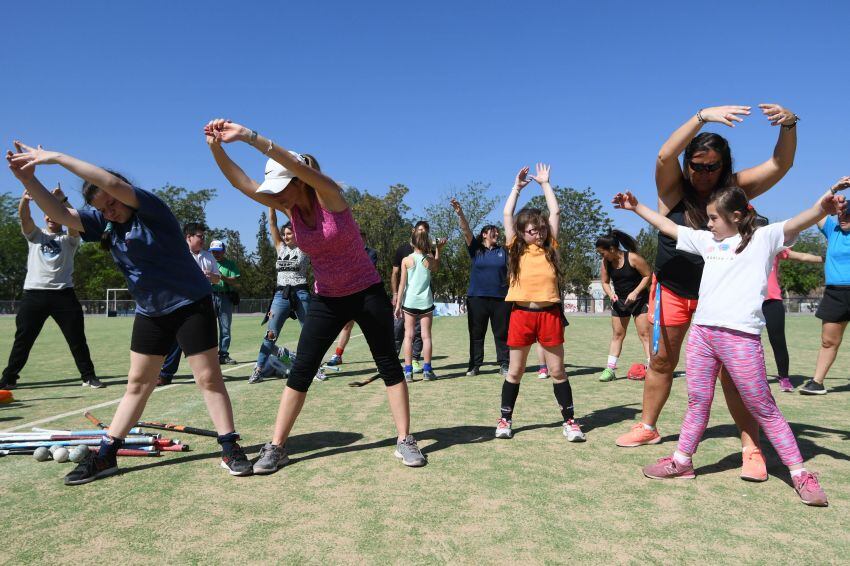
(647, 242)
(13, 252)
(187, 206)
(582, 220)
(259, 277)
(95, 272)
(798, 278)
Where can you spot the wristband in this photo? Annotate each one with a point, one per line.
(253, 136)
(700, 119)
(792, 125)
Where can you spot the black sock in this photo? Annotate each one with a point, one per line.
(510, 391)
(564, 396)
(228, 441)
(109, 446)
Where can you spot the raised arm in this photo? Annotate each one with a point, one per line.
(510, 205)
(542, 178)
(804, 257)
(756, 180)
(27, 224)
(829, 203)
(46, 201)
(434, 260)
(628, 201)
(274, 229)
(668, 171)
(461, 220)
(104, 180)
(62, 198)
(327, 190)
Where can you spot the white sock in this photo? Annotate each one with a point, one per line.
(681, 458)
(646, 365)
(795, 473)
(612, 362)
(648, 426)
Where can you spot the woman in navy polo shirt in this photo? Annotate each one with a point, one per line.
(485, 298)
(173, 297)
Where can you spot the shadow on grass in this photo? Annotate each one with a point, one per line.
(609, 416)
(72, 382)
(4, 419)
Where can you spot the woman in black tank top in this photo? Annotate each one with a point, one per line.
(630, 275)
(683, 190)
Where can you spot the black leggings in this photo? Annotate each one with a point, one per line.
(480, 311)
(327, 316)
(774, 316)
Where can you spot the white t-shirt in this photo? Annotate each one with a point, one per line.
(206, 261)
(50, 262)
(733, 286)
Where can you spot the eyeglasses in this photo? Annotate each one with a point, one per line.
(707, 167)
(533, 231)
(201, 236)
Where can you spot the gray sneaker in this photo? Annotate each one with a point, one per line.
(429, 375)
(408, 376)
(409, 452)
(272, 458)
(256, 376)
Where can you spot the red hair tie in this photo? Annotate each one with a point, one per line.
(749, 207)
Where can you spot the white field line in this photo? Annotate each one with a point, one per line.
(108, 403)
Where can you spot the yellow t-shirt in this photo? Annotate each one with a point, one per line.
(537, 281)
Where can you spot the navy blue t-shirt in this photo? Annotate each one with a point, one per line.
(489, 274)
(152, 253)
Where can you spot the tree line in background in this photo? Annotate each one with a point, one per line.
(386, 221)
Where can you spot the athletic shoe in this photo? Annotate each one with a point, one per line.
(226, 360)
(8, 385)
(812, 388)
(408, 376)
(408, 451)
(417, 367)
(754, 468)
(272, 458)
(543, 373)
(808, 488)
(320, 375)
(94, 383)
(336, 360)
(637, 372)
(667, 468)
(472, 372)
(573, 432)
(503, 429)
(785, 385)
(256, 375)
(638, 436)
(92, 468)
(503, 371)
(164, 380)
(607, 375)
(237, 462)
(429, 375)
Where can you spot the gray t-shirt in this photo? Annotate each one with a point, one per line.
(50, 263)
(291, 266)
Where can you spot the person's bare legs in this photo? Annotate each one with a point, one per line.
(291, 403)
(516, 367)
(409, 332)
(141, 381)
(831, 336)
(619, 326)
(400, 408)
(427, 344)
(644, 329)
(659, 374)
(345, 336)
(208, 377)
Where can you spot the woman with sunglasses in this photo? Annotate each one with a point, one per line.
(485, 297)
(683, 191)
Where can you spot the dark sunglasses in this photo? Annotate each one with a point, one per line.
(708, 167)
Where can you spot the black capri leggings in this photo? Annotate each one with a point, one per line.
(369, 308)
(774, 317)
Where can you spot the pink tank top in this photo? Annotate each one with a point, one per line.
(340, 263)
(774, 292)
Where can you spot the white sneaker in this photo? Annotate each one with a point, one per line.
(573, 432)
(503, 429)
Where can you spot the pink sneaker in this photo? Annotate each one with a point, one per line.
(808, 488)
(668, 468)
(638, 436)
(785, 385)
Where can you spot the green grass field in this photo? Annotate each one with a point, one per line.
(345, 498)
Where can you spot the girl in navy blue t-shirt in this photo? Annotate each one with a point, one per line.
(173, 297)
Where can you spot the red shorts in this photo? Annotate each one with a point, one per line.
(675, 310)
(529, 326)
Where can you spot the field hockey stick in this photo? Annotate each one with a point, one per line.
(92, 432)
(130, 452)
(656, 325)
(95, 421)
(18, 452)
(327, 367)
(364, 382)
(84, 441)
(178, 428)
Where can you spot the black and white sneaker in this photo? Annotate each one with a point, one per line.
(8, 385)
(812, 388)
(94, 383)
(92, 468)
(237, 462)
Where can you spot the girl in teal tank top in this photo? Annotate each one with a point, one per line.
(416, 300)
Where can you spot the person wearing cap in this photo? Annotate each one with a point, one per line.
(347, 285)
(223, 293)
(49, 292)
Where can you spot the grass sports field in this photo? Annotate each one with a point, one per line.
(345, 498)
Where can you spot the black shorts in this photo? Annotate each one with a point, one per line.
(835, 304)
(418, 312)
(195, 327)
(637, 308)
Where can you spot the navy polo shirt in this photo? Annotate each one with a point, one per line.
(489, 274)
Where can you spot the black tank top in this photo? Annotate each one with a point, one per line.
(625, 279)
(678, 271)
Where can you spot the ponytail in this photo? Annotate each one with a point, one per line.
(731, 200)
(616, 239)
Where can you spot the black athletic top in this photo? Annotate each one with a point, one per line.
(625, 279)
(678, 271)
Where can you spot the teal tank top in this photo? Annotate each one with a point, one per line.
(417, 294)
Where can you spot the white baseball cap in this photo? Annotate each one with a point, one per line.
(278, 176)
(216, 246)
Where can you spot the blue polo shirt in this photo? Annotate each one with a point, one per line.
(837, 260)
(151, 251)
(489, 274)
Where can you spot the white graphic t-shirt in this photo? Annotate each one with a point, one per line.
(50, 262)
(291, 266)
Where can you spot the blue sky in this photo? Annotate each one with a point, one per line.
(432, 95)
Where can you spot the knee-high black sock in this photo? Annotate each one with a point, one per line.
(564, 396)
(510, 391)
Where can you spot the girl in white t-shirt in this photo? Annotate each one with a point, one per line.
(728, 321)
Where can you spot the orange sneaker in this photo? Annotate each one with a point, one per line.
(639, 436)
(755, 468)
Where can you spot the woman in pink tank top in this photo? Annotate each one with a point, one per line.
(348, 287)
